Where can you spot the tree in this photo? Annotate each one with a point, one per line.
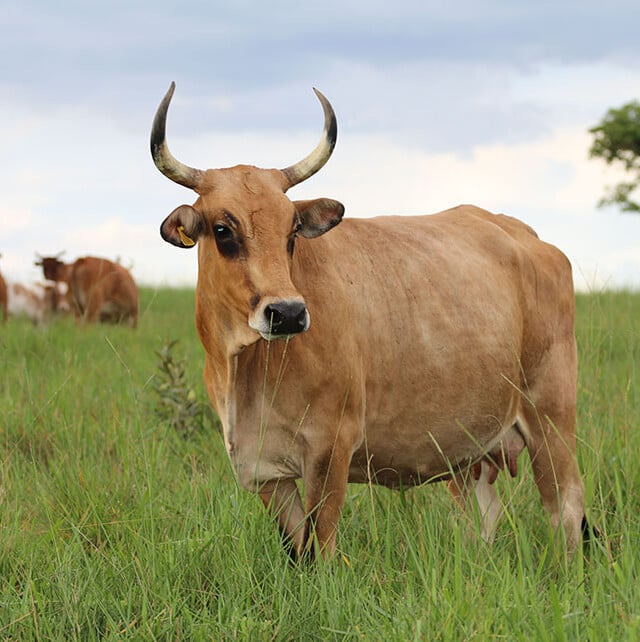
(617, 139)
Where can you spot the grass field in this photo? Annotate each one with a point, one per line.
(115, 525)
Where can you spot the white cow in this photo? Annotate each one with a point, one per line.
(37, 301)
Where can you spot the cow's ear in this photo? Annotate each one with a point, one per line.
(182, 227)
(318, 216)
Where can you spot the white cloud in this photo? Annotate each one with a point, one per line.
(15, 220)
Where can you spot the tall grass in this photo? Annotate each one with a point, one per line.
(114, 526)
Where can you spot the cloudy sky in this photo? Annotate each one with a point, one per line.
(438, 103)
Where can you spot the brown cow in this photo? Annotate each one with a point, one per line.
(427, 344)
(99, 290)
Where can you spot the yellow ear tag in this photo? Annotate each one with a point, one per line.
(186, 241)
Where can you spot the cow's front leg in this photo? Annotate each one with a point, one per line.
(282, 500)
(325, 479)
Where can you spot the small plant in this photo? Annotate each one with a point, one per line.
(177, 404)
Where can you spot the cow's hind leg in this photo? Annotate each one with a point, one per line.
(548, 419)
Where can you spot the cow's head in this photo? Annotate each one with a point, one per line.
(52, 267)
(245, 227)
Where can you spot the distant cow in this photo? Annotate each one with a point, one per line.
(413, 349)
(99, 290)
(37, 301)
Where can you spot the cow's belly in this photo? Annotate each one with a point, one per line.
(429, 433)
(441, 400)
(419, 455)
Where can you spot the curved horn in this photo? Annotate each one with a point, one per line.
(309, 165)
(162, 157)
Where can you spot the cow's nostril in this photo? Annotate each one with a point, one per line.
(286, 317)
(274, 316)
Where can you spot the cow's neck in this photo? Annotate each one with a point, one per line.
(230, 345)
(231, 364)
(64, 273)
(238, 379)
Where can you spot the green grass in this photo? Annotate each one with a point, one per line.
(114, 526)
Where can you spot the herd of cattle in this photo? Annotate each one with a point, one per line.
(94, 290)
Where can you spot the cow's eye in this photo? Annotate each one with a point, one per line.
(228, 245)
(222, 233)
(297, 228)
